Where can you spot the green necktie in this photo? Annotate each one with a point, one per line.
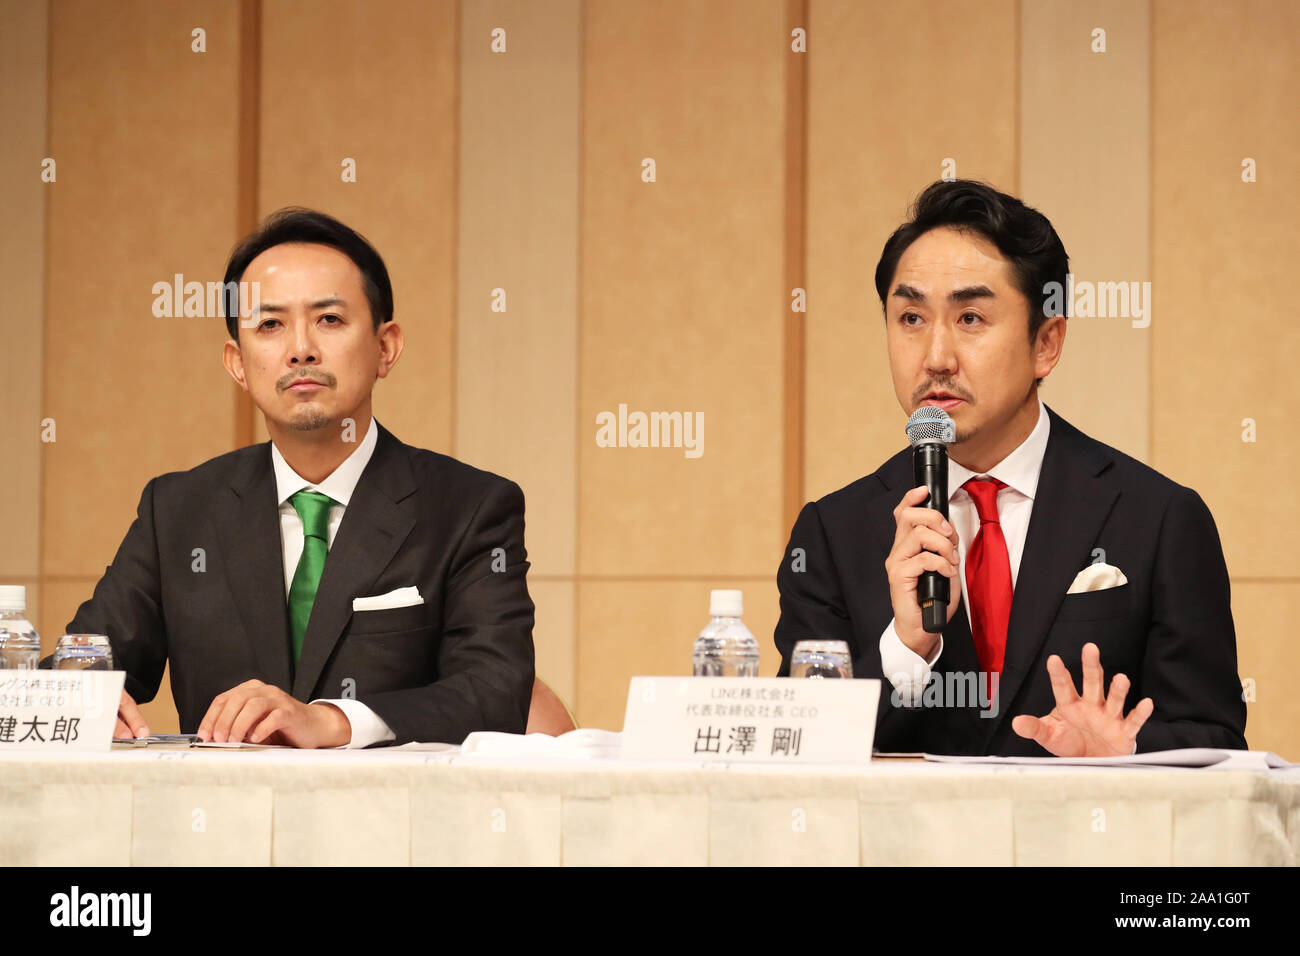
(314, 510)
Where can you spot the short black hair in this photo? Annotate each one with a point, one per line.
(298, 224)
(1021, 233)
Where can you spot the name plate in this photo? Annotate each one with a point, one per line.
(59, 710)
(750, 719)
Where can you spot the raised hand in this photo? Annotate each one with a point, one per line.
(1092, 725)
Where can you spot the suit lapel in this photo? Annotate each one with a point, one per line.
(1070, 506)
(248, 528)
(377, 521)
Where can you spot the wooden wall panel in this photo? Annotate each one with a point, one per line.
(631, 628)
(24, 68)
(1085, 163)
(1266, 661)
(893, 90)
(375, 82)
(1224, 250)
(142, 130)
(555, 644)
(1224, 338)
(24, 64)
(682, 298)
(516, 371)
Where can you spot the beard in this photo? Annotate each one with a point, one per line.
(308, 418)
(964, 434)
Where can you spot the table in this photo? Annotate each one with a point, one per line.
(394, 807)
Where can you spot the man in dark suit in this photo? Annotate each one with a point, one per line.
(334, 586)
(1037, 509)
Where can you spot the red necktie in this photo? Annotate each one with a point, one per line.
(988, 577)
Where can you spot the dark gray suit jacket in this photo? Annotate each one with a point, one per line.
(1169, 629)
(460, 662)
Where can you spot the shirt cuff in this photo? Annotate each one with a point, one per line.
(907, 670)
(367, 726)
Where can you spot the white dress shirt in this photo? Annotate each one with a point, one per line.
(908, 671)
(367, 726)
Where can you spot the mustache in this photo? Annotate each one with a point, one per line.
(941, 386)
(293, 378)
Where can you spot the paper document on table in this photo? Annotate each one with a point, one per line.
(227, 745)
(184, 742)
(888, 755)
(1201, 757)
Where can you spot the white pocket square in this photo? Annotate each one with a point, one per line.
(402, 597)
(1097, 577)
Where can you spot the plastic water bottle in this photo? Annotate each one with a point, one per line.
(725, 648)
(20, 645)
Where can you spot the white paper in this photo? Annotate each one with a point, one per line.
(1200, 757)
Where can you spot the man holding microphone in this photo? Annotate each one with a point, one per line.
(1064, 554)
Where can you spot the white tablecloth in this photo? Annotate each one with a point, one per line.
(389, 807)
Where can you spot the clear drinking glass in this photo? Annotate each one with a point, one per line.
(821, 659)
(83, 652)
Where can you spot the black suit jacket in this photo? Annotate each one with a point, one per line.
(460, 662)
(1169, 629)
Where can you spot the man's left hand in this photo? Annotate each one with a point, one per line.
(259, 713)
(1089, 726)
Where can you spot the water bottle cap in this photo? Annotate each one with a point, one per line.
(726, 604)
(13, 597)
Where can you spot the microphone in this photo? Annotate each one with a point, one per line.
(930, 431)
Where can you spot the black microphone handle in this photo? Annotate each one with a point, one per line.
(930, 468)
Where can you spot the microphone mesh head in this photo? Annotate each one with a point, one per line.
(929, 424)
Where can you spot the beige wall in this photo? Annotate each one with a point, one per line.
(1226, 80)
(523, 171)
(889, 102)
(1085, 158)
(24, 65)
(682, 309)
(375, 83)
(516, 370)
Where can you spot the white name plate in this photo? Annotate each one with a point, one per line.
(750, 719)
(59, 710)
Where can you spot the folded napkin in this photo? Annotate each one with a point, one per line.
(1097, 577)
(576, 743)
